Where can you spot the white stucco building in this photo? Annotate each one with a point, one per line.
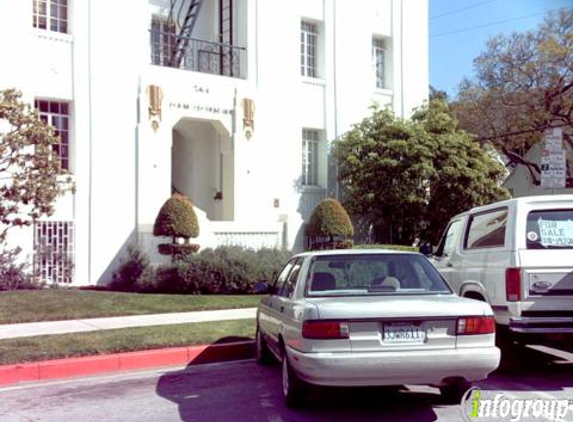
(230, 102)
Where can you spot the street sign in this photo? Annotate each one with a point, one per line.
(553, 139)
(553, 168)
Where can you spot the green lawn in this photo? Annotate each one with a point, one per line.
(33, 349)
(60, 304)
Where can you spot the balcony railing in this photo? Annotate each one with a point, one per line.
(170, 50)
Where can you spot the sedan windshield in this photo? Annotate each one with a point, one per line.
(373, 274)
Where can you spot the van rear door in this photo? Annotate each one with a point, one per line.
(547, 267)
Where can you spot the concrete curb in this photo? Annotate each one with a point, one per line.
(117, 362)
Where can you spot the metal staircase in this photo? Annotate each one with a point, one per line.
(185, 19)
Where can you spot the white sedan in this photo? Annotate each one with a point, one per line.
(372, 318)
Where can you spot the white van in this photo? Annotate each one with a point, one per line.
(518, 256)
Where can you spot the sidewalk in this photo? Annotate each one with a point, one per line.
(29, 329)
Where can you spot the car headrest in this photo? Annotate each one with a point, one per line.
(323, 281)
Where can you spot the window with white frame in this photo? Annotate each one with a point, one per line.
(310, 144)
(57, 114)
(379, 61)
(54, 251)
(51, 15)
(308, 45)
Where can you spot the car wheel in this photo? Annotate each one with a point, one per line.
(262, 352)
(453, 391)
(293, 386)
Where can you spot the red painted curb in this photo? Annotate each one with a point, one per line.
(99, 364)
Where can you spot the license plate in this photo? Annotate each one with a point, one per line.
(403, 333)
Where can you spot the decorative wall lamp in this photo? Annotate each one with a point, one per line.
(248, 117)
(155, 97)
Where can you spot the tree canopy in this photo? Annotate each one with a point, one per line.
(523, 83)
(29, 166)
(407, 178)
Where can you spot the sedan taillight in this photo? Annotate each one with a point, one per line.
(476, 325)
(322, 330)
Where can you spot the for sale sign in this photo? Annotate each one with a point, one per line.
(553, 168)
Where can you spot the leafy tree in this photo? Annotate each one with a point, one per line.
(407, 178)
(467, 173)
(29, 167)
(523, 83)
(177, 219)
(330, 226)
(384, 165)
(437, 94)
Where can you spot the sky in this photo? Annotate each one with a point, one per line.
(459, 30)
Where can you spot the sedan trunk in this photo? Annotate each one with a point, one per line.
(394, 323)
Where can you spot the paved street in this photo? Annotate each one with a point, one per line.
(244, 391)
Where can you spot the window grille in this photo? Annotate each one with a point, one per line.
(54, 251)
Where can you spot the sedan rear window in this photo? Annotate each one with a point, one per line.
(373, 274)
(550, 229)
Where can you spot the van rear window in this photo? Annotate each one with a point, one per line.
(550, 229)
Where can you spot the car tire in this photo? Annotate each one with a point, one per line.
(453, 392)
(262, 352)
(293, 387)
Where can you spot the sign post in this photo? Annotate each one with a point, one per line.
(553, 160)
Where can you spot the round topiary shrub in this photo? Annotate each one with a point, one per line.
(177, 219)
(330, 226)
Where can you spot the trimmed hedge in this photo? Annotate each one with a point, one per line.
(225, 270)
(177, 218)
(329, 218)
(330, 226)
(177, 250)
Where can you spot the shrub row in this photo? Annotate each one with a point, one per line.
(224, 270)
(14, 273)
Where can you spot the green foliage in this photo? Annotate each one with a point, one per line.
(330, 226)
(130, 271)
(329, 218)
(29, 168)
(176, 250)
(177, 218)
(407, 178)
(523, 83)
(14, 275)
(224, 270)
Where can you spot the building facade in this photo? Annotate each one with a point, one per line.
(230, 102)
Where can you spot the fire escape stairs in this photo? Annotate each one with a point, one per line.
(187, 17)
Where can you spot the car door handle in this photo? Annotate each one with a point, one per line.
(449, 264)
